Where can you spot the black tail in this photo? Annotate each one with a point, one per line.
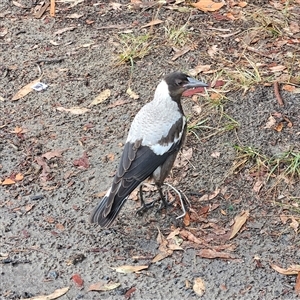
(99, 215)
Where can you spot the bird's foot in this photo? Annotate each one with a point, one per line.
(144, 207)
(164, 204)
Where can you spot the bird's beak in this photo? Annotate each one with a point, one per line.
(193, 83)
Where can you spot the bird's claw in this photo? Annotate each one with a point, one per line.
(144, 207)
(164, 204)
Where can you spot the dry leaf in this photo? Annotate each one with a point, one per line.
(56, 294)
(229, 247)
(215, 96)
(242, 4)
(18, 4)
(29, 207)
(18, 130)
(294, 27)
(297, 285)
(174, 241)
(198, 69)
(217, 84)
(207, 5)
(271, 122)
(290, 124)
(132, 94)
(115, 5)
(101, 97)
(110, 156)
(173, 233)
(229, 16)
(41, 8)
(183, 158)
(211, 253)
(211, 196)
(187, 219)
(3, 255)
(102, 286)
(257, 186)
(74, 16)
(101, 194)
(279, 127)
(283, 219)
(199, 286)
(163, 242)
(3, 32)
(277, 68)
(8, 181)
(174, 247)
(73, 110)
(60, 31)
(223, 212)
(129, 269)
(197, 109)
(292, 270)
(215, 154)
(19, 177)
(239, 221)
(180, 53)
(160, 256)
(59, 226)
(152, 23)
(50, 220)
(128, 294)
(46, 170)
(82, 162)
(78, 280)
(212, 51)
(294, 224)
(189, 236)
(118, 103)
(74, 2)
(25, 90)
(54, 153)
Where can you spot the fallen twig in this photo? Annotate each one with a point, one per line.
(52, 8)
(277, 94)
(115, 27)
(50, 60)
(258, 52)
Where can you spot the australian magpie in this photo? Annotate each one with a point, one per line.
(154, 139)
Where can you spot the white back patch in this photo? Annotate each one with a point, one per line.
(162, 149)
(155, 119)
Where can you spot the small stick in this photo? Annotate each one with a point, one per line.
(277, 94)
(52, 8)
(180, 198)
(256, 51)
(50, 60)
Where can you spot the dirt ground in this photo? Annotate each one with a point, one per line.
(46, 238)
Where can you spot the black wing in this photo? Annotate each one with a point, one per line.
(137, 164)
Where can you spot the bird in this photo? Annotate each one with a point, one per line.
(155, 137)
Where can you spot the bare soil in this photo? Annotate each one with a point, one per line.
(45, 235)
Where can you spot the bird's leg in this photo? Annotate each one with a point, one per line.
(144, 206)
(164, 202)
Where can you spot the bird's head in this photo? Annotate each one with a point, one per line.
(179, 82)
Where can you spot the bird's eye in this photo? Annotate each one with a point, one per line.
(178, 81)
